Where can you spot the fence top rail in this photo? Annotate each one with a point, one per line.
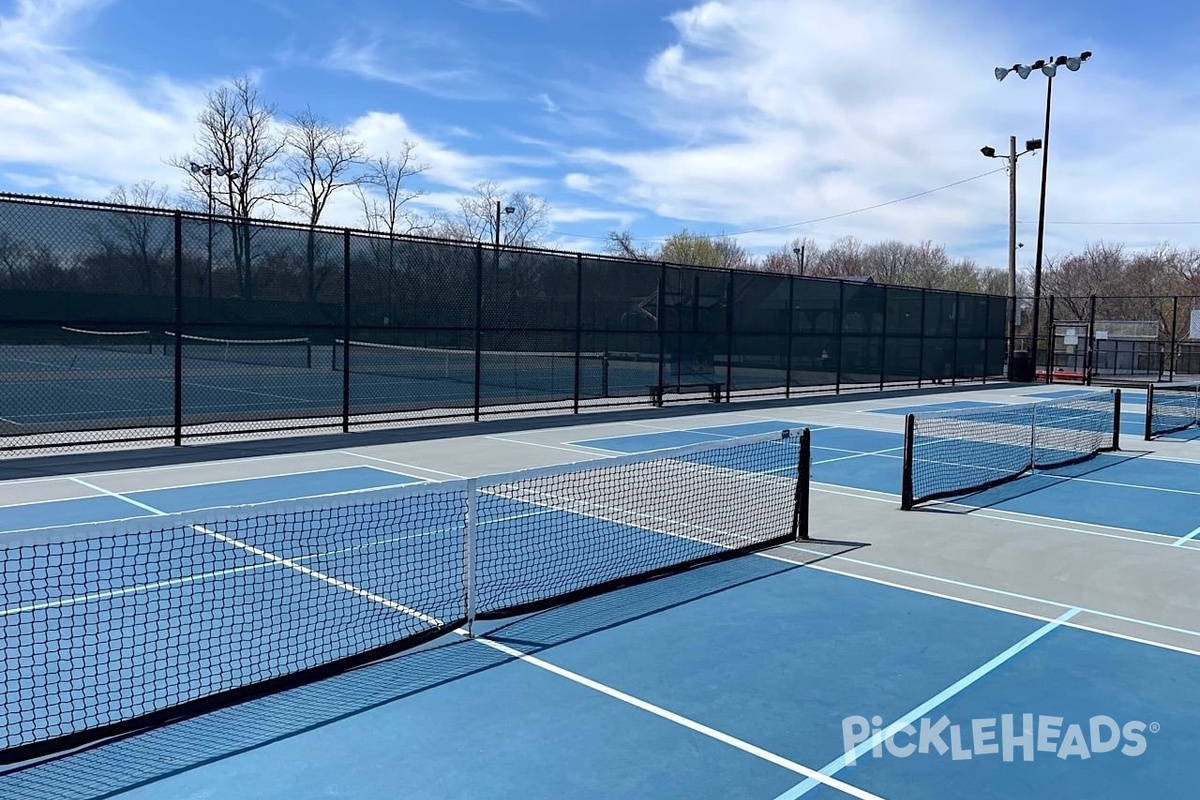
(362, 233)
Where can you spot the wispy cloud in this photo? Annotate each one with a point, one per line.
(521, 6)
(366, 59)
(77, 121)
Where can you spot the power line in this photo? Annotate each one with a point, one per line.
(818, 219)
(1083, 222)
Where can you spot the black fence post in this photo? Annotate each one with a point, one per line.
(479, 327)
(1049, 344)
(662, 336)
(841, 330)
(791, 334)
(1174, 334)
(579, 327)
(883, 339)
(178, 329)
(1089, 357)
(345, 330)
(729, 338)
(957, 330)
(921, 343)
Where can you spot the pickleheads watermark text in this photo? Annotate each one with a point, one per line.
(1009, 737)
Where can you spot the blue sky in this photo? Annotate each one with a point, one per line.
(723, 116)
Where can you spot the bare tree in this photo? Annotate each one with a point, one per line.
(319, 161)
(623, 245)
(133, 241)
(240, 141)
(384, 192)
(522, 217)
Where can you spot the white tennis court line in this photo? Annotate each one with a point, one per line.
(566, 447)
(982, 671)
(403, 465)
(816, 777)
(222, 481)
(1179, 542)
(824, 567)
(810, 774)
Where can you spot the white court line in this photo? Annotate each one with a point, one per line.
(566, 447)
(222, 481)
(978, 587)
(119, 496)
(307, 400)
(982, 671)
(1179, 542)
(792, 766)
(402, 465)
(1015, 517)
(886, 452)
(159, 468)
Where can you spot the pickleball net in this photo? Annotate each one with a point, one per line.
(113, 628)
(960, 451)
(1171, 407)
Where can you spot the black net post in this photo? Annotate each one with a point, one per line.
(479, 327)
(791, 334)
(178, 424)
(906, 489)
(728, 338)
(1116, 443)
(1090, 346)
(345, 330)
(1149, 432)
(579, 327)
(800, 513)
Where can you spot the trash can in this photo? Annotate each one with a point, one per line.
(1021, 369)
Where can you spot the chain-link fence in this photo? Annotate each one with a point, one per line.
(120, 324)
(1113, 339)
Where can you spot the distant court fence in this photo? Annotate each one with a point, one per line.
(122, 324)
(1097, 339)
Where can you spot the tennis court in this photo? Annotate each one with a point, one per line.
(1037, 636)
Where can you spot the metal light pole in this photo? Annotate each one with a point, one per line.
(799, 253)
(208, 170)
(496, 250)
(1049, 68)
(990, 152)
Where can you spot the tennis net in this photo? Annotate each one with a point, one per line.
(959, 451)
(109, 629)
(294, 352)
(540, 371)
(1171, 407)
(135, 342)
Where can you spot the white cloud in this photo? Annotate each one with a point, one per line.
(577, 181)
(70, 117)
(779, 111)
